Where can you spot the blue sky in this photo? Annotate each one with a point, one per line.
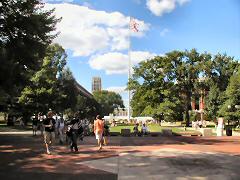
(95, 33)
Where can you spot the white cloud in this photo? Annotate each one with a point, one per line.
(117, 63)
(87, 31)
(159, 7)
(118, 89)
(164, 32)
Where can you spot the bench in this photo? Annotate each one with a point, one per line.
(114, 133)
(125, 132)
(167, 132)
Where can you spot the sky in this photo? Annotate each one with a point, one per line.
(96, 36)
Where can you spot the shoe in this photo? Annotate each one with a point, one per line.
(48, 152)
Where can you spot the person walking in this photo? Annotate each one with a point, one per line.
(74, 125)
(49, 127)
(98, 130)
(40, 122)
(135, 130)
(106, 133)
(61, 129)
(34, 124)
(56, 131)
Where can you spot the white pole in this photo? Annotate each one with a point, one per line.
(129, 68)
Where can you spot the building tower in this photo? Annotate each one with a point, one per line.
(96, 84)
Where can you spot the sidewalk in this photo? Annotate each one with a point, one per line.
(23, 157)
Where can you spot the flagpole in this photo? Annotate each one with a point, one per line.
(129, 68)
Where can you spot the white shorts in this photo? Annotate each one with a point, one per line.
(98, 136)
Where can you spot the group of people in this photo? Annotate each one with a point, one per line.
(38, 123)
(143, 131)
(54, 126)
(198, 124)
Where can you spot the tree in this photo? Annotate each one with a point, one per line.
(186, 69)
(155, 95)
(108, 101)
(223, 68)
(44, 93)
(67, 87)
(230, 108)
(25, 32)
(164, 87)
(213, 101)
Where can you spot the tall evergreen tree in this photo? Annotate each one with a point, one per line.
(213, 102)
(26, 29)
(231, 106)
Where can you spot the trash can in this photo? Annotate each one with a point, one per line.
(228, 130)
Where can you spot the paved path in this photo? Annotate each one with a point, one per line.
(23, 157)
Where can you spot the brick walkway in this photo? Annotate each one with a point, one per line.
(23, 157)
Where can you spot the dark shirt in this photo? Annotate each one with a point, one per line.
(75, 123)
(49, 121)
(35, 121)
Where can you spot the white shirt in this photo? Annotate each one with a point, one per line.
(144, 128)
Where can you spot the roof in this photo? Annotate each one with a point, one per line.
(82, 90)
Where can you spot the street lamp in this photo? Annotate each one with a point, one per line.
(237, 106)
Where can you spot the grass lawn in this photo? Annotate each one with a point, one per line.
(152, 128)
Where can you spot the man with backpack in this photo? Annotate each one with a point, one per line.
(74, 134)
(76, 129)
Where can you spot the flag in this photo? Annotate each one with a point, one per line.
(133, 25)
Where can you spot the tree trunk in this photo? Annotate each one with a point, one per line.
(188, 107)
(187, 117)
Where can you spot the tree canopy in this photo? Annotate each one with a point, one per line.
(44, 91)
(26, 30)
(108, 101)
(230, 108)
(165, 86)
